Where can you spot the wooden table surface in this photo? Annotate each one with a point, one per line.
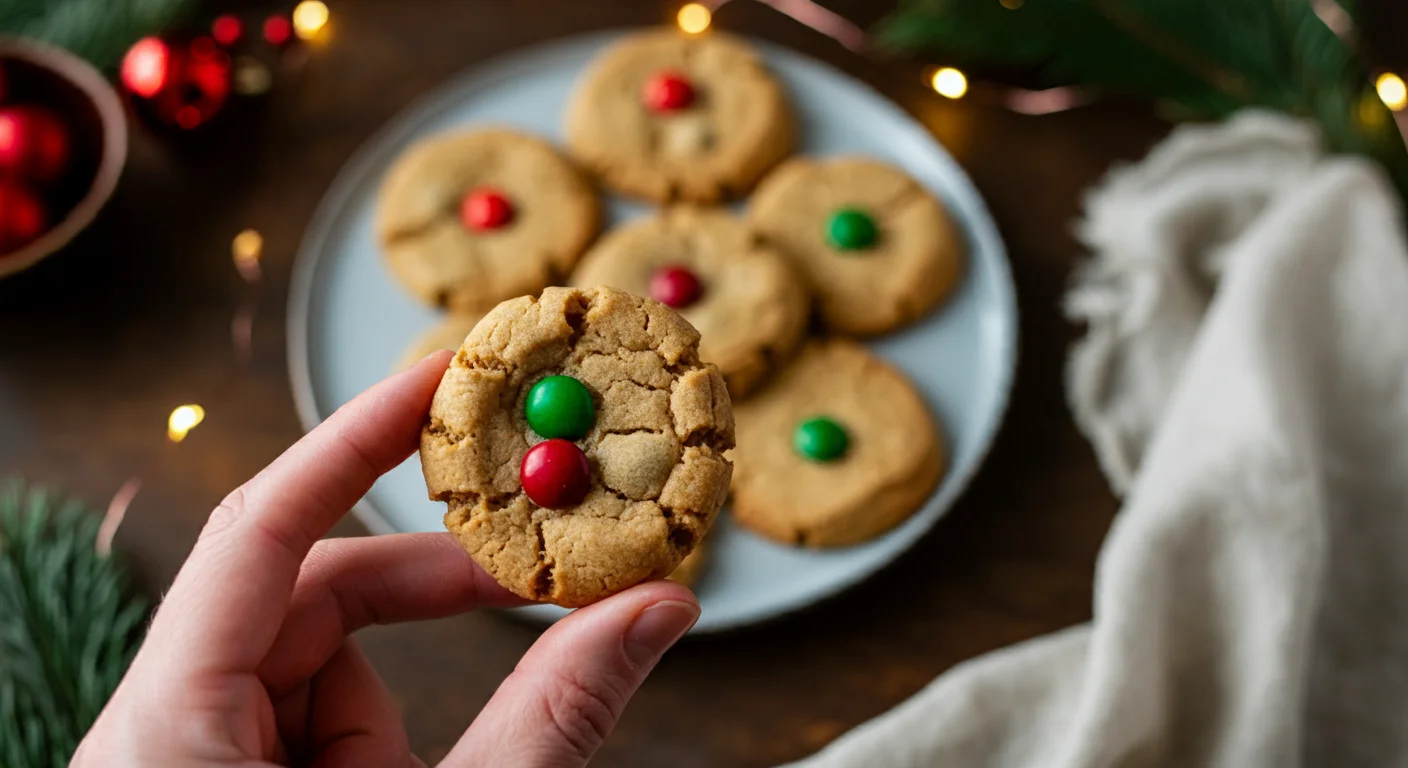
(101, 342)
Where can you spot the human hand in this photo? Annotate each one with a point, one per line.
(249, 659)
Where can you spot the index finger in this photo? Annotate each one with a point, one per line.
(225, 607)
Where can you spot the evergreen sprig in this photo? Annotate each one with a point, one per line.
(100, 31)
(1207, 58)
(69, 626)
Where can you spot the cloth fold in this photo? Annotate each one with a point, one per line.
(1244, 380)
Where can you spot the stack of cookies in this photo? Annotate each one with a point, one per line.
(627, 416)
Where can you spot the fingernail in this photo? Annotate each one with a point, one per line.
(657, 628)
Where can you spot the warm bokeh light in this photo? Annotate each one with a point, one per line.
(950, 82)
(1012, 5)
(247, 247)
(694, 18)
(1371, 112)
(227, 29)
(309, 18)
(144, 67)
(277, 30)
(183, 419)
(251, 76)
(1392, 90)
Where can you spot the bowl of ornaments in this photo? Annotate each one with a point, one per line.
(63, 142)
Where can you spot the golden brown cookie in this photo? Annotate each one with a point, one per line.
(692, 566)
(669, 117)
(835, 450)
(470, 218)
(578, 441)
(745, 300)
(877, 248)
(448, 334)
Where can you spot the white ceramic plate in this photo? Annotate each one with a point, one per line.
(349, 320)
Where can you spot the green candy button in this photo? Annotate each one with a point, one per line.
(560, 406)
(820, 439)
(851, 229)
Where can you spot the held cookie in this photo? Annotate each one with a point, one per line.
(448, 334)
(469, 219)
(877, 248)
(692, 566)
(579, 442)
(744, 299)
(836, 450)
(668, 117)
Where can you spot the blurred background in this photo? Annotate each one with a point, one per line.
(104, 341)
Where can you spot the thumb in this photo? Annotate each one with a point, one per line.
(569, 689)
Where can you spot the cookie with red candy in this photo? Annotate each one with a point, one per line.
(670, 117)
(748, 305)
(579, 441)
(471, 218)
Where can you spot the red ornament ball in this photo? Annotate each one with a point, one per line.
(555, 474)
(22, 216)
(484, 209)
(675, 286)
(33, 143)
(186, 85)
(668, 92)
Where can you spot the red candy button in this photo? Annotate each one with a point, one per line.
(675, 286)
(555, 474)
(667, 92)
(485, 209)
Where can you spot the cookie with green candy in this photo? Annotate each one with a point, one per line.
(579, 443)
(837, 449)
(877, 249)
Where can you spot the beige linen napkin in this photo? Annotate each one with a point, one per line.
(1245, 380)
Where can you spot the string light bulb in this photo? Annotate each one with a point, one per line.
(694, 18)
(182, 420)
(949, 82)
(247, 247)
(1392, 91)
(309, 18)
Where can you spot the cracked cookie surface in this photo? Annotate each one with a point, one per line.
(751, 309)
(663, 421)
(889, 456)
(450, 253)
(892, 255)
(730, 123)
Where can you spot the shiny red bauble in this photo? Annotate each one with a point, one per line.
(675, 286)
(22, 216)
(668, 92)
(555, 474)
(34, 143)
(185, 85)
(485, 209)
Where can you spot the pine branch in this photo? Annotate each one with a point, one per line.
(1207, 58)
(69, 626)
(100, 31)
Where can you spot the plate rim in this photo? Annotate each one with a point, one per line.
(313, 243)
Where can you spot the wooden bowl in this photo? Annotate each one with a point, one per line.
(94, 114)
